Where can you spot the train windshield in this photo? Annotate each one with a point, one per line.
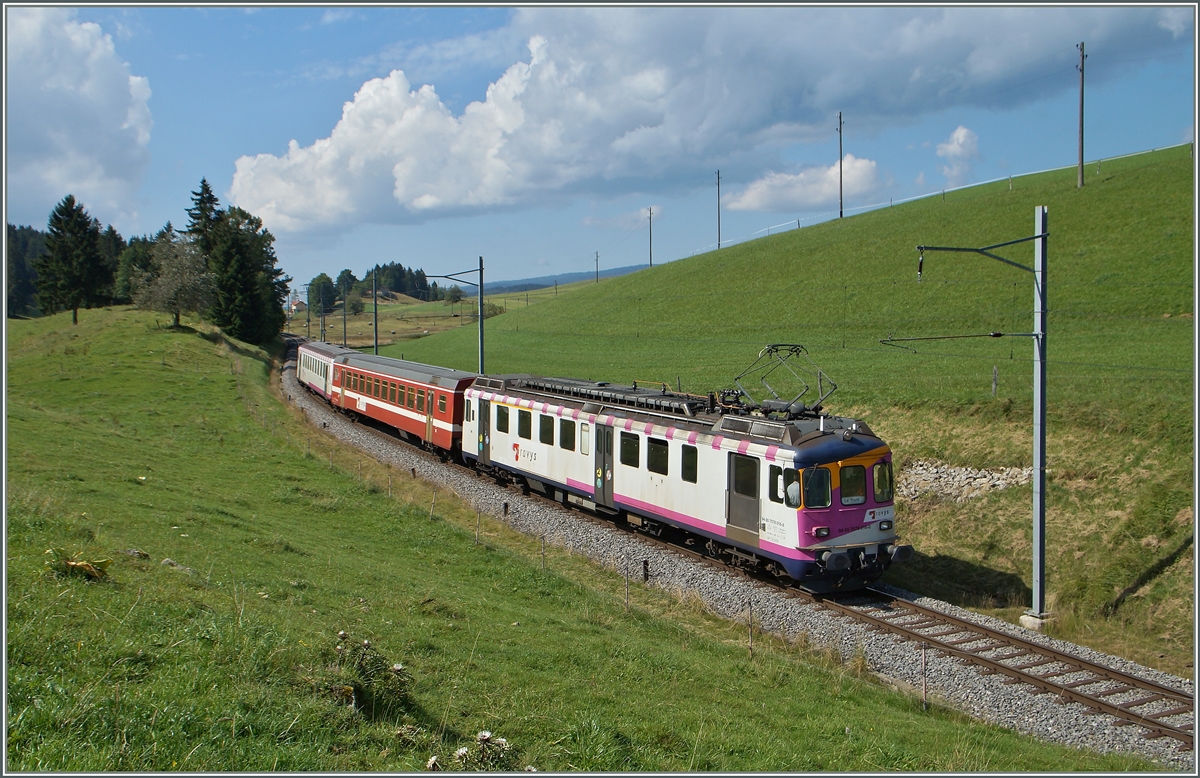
(854, 485)
(816, 488)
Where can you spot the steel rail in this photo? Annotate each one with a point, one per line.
(948, 638)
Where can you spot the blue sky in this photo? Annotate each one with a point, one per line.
(538, 136)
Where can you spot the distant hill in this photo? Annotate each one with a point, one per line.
(541, 282)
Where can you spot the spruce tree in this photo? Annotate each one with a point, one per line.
(71, 273)
(248, 289)
(203, 217)
(25, 244)
(111, 246)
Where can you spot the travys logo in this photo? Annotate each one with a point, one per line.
(516, 452)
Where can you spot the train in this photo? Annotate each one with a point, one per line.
(774, 484)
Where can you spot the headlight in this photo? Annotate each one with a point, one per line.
(885, 525)
(820, 532)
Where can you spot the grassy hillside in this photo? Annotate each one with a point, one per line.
(138, 444)
(1120, 344)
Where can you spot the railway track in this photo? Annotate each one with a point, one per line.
(1159, 711)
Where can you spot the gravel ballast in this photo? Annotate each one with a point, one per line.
(986, 697)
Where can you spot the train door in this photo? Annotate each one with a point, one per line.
(485, 432)
(604, 466)
(429, 416)
(743, 506)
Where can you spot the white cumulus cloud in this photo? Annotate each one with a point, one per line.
(78, 119)
(612, 99)
(960, 151)
(811, 188)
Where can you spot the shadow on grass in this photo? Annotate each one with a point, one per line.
(1147, 575)
(219, 337)
(959, 582)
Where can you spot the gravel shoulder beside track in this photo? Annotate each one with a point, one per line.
(986, 697)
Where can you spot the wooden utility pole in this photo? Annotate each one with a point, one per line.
(651, 236)
(1082, 57)
(839, 131)
(718, 209)
(597, 267)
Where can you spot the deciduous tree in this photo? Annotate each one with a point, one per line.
(182, 283)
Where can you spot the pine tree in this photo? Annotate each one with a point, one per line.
(111, 247)
(71, 273)
(203, 217)
(248, 289)
(25, 244)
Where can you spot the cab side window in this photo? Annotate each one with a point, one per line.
(884, 484)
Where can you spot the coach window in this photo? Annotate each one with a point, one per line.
(854, 485)
(525, 424)
(656, 455)
(583, 439)
(688, 471)
(566, 434)
(501, 418)
(816, 487)
(441, 403)
(420, 401)
(546, 429)
(631, 453)
(884, 485)
(412, 397)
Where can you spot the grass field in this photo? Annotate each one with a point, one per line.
(124, 437)
(403, 318)
(1120, 343)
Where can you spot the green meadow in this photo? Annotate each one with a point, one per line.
(1120, 339)
(130, 444)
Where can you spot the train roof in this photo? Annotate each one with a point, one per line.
(821, 438)
(400, 368)
(326, 349)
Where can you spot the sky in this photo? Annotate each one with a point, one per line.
(553, 140)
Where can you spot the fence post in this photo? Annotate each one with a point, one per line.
(924, 704)
(750, 623)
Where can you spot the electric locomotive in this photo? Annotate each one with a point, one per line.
(771, 484)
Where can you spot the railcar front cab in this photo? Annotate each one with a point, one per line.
(846, 514)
